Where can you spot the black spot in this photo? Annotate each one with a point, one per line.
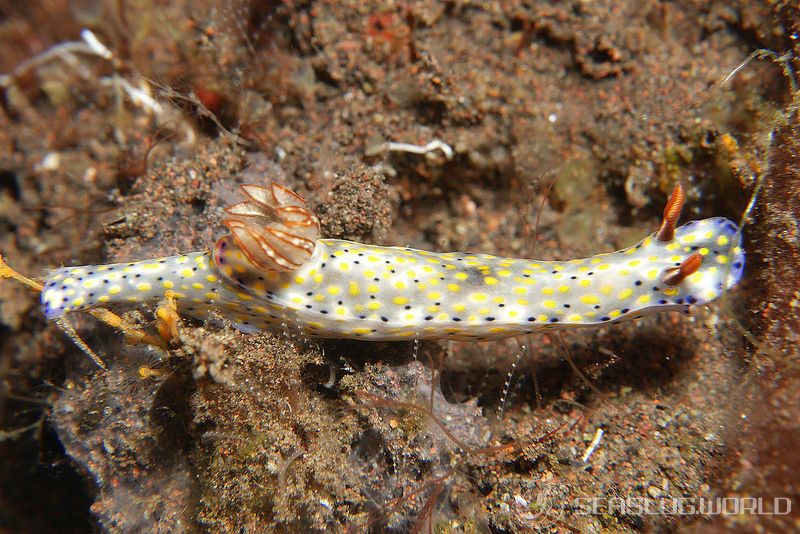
(679, 301)
(625, 310)
(694, 247)
(309, 293)
(138, 275)
(428, 317)
(416, 281)
(346, 250)
(308, 306)
(597, 307)
(160, 278)
(392, 271)
(655, 288)
(372, 297)
(553, 272)
(677, 264)
(356, 262)
(737, 265)
(662, 301)
(388, 262)
(554, 319)
(385, 319)
(408, 307)
(339, 303)
(456, 319)
(91, 295)
(105, 281)
(501, 305)
(360, 253)
(111, 268)
(490, 318)
(691, 300)
(162, 261)
(531, 319)
(637, 283)
(605, 319)
(124, 276)
(567, 306)
(195, 269)
(573, 277)
(323, 265)
(590, 273)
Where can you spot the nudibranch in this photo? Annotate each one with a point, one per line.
(273, 271)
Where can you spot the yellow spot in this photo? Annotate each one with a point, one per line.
(644, 299)
(459, 308)
(614, 314)
(319, 297)
(77, 302)
(549, 303)
(625, 293)
(361, 330)
(210, 296)
(722, 240)
(354, 289)
(400, 285)
(433, 295)
(704, 251)
(504, 273)
(244, 296)
(196, 285)
(634, 263)
(297, 300)
(167, 284)
(103, 298)
(453, 287)
(334, 290)
(432, 308)
(606, 289)
(542, 318)
(374, 305)
(585, 283)
(344, 266)
(521, 290)
(595, 261)
(722, 258)
(695, 277)
(630, 250)
(340, 310)
(513, 313)
(211, 278)
(651, 274)
(299, 279)
(672, 247)
(373, 259)
(498, 330)
(691, 238)
(624, 272)
(427, 269)
(372, 288)
(478, 297)
(89, 284)
(604, 266)
(490, 280)
(590, 299)
(318, 278)
(575, 318)
(400, 300)
(563, 289)
(113, 290)
(369, 273)
(548, 291)
(671, 292)
(522, 302)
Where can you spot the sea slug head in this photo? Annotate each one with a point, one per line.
(712, 258)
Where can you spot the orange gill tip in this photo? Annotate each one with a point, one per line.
(672, 212)
(676, 275)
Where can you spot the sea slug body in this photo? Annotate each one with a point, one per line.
(272, 272)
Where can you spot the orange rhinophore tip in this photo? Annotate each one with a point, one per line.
(676, 275)
(672, 212)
